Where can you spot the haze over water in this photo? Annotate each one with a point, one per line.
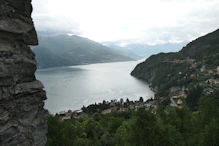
(75, 86)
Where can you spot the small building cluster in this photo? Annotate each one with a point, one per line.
(177, 101)
(122, 106)
(69, 115)
(179, 95)
(212, 81)
(113, 106)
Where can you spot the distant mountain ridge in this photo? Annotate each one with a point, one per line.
(65, 50)
(139, 51)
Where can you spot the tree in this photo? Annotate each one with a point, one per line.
(107, 140)
(124, 133)
(144, 130)
(193, 97)
(92, 128)
(121, 101)
(141, 99)
(211, 133)
(208, 110)
(127, 100)
(61, 133)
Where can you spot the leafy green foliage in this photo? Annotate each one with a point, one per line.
(193, 97)
(170, 126)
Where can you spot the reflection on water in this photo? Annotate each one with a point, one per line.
(75, 86)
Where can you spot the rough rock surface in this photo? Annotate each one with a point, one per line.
(22, 116)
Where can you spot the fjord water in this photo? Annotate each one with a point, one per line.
(74, 86)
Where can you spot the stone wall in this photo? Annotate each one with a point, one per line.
(22, 116)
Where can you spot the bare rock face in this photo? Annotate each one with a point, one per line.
(22, 116)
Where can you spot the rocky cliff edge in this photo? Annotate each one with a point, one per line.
(22, 114)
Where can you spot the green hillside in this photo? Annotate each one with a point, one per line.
(194, 69)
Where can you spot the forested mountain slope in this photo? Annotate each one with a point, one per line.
(62, 50)
(195, 67)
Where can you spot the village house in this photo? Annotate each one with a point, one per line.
(216, 81)
(121, 101)
(112, 103)
(123, 109)
(176, 101)
(67, 116)
(184, 95)
(74, 115)
(208, 91)
(179, 102)
(209, 81)
(61, 114)
(202, 69)
(192, 75)
(98, 110)
(194, 65)
(139, 105)
(132, 106)
(175, 89)
(113, 109)
(148, 105)
(107, 111)
(210, 72)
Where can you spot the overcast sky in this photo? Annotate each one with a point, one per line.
(128, 21)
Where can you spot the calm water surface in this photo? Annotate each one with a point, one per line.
(75, 86)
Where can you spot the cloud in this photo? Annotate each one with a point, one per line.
(48, 22)
(56, 25)
(130, 21)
